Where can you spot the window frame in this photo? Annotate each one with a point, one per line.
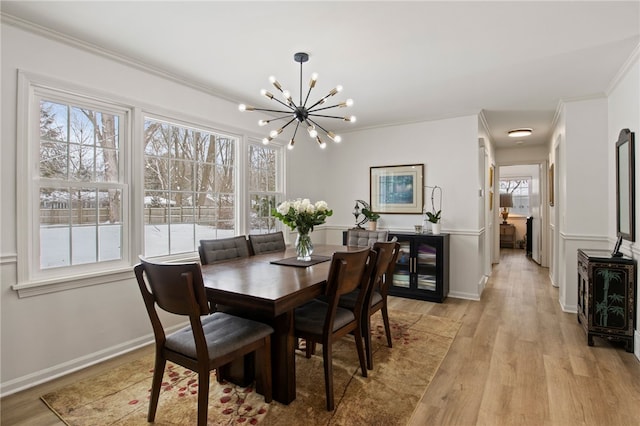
(32, 88)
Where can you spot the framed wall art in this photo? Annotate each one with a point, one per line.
(397, 189)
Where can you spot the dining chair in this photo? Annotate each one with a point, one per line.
(209, 342)
(377, 297)
(364, 238)
(325, 322)
(212, 251)
(267, 243)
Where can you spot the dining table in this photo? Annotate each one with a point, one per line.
(258, 288)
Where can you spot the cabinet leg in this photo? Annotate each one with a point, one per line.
(589, 339)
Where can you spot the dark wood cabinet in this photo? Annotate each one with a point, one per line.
(606, 296)
(422, 268)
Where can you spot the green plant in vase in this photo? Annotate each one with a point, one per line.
(373, 218)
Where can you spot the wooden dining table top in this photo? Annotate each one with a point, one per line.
(255, 283)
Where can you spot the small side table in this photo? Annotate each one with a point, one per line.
(507, 235)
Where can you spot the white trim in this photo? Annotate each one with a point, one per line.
(622, 72)
(7, 259)
(67, 282)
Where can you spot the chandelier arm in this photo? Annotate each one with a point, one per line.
(319, 102)
(278, 118)
(326, 116)
(282, 103)
(288, 122)
(296, 130)
(323, 108)
(317, 125)
(272, 110)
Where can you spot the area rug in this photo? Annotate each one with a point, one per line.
(388, 396)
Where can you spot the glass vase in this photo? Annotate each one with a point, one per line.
(304, 246)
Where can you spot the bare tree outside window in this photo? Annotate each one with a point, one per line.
(189, 187)
(80, 185)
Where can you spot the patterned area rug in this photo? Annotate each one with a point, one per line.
(387, 397)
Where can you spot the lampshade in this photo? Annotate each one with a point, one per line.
(506, 200)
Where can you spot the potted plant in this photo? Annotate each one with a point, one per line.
(434, 218)
(434, 215)
(373, 218)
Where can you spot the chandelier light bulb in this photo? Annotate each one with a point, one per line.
(287, 95)
(290, 146)
(266, 93)
(242, 107)
(321, 142)
(314, 78)
(312, 131)
(263, 123)
(265, 141)
(351, 119)
(334, 137)
(349, 102)
(275, 133)
(273, 81)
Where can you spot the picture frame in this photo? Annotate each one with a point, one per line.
(397, 189)
(625, 185)
(551, 185)
(491, 176)
(490, 199)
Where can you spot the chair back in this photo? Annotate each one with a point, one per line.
(175, 287)
(385, 265)
(364, 238)
(267, 243)
(349, 271)
(212, 251)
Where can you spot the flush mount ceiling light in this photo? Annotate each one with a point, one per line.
(300, 113)
(519, 133)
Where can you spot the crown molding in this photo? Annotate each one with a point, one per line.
(53, 35)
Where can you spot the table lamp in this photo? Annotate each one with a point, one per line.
(506, 201)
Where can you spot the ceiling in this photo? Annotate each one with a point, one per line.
(400, 62)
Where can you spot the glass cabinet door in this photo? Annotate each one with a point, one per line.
(402, 273)
(426, 266)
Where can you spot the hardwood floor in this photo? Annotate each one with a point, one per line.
(517, 360)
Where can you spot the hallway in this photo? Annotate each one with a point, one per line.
(519, 360)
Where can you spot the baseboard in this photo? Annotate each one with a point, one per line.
(461, 295)
(30, 380)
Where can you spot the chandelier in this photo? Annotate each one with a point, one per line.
(300, 113)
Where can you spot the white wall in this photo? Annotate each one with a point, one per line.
(449, 151)
(581, 175)
(624, 113)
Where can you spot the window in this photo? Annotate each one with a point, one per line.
(189, 187)
(78, 161)
(519, 187)
(264, 187)
(75, 218)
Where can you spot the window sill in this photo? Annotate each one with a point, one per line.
(36, 288)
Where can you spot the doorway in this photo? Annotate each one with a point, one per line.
(520, 188)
